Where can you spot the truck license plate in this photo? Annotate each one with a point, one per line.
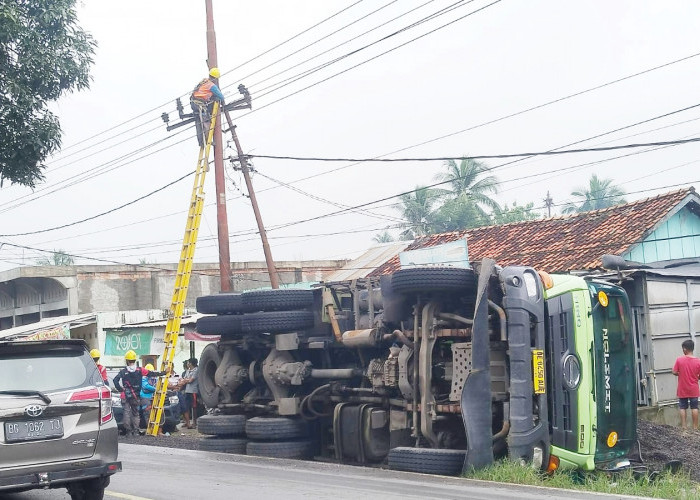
(30, 430)
(538, 371)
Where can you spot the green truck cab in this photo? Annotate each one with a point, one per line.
(590, 373)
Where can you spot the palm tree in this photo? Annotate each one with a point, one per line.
(600, 193)
(57, 258)
(466, 180)
(384, 237)
(417, 210)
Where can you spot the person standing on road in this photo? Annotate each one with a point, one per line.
(191, 390)
(95, 354)
(687, 369)
(202, 103)
(130, 380)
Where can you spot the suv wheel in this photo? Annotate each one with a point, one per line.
(90, 489)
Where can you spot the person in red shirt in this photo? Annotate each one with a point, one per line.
(687, 369)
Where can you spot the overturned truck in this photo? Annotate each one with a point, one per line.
(429, 369)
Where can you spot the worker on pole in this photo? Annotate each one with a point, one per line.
(202, 102)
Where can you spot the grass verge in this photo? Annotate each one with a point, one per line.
(665, 485)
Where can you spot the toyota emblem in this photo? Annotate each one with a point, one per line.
(33, 410)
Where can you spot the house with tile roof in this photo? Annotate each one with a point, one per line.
(662, 228)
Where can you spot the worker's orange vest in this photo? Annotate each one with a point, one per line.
(203, 91)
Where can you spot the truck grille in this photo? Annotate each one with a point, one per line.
(562, 401)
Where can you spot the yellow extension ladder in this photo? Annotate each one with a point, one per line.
(182, 279)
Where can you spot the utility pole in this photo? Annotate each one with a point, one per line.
(221, 216)
(548, 202)
(271, 269)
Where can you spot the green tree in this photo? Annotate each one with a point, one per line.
(57, 258)
(514, 213)
(417, 210)
(384, 237)
(43, 54)
(600, 193)
(466, 179)
(459, 213)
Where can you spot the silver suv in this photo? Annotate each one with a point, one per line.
(57, 428)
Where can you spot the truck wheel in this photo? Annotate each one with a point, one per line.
(427, 460)
(281, 449)
(221, 425)
(273, 428)
(276, 321)
(276, 300)
(209, 361)
(219, 325)
(224, 445)
(222, 303)
(433, 279)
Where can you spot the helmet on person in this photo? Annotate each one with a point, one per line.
(95, 354)
(130, 356)
(215, 72)
(149, 367)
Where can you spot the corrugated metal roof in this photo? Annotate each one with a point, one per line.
(368, 261)
(74, 321)
(561, 244)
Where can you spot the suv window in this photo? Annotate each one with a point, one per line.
(47, 371)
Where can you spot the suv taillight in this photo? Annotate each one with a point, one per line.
(101, 394)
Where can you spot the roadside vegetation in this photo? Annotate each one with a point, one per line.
(664, 485)
(465, 201)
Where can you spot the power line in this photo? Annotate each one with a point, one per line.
(484, 157)
(102, 213)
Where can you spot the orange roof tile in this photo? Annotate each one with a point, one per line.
(559, 244)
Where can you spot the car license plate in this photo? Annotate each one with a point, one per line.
(538, 371)
(30, 430)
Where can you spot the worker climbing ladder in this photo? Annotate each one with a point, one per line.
(182, 279)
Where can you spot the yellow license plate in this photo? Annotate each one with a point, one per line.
(538, 371)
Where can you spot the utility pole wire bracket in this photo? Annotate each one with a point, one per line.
(186, 118)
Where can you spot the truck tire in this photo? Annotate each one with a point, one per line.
(209, 361)
(222, 303)
(221, 425)
(433, 279)
(276, 321)
(275, 428)
(225, 325)
(281, 449)
(427, 460)
(276, 300)
(224, 445)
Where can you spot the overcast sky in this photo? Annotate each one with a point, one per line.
(504, 59)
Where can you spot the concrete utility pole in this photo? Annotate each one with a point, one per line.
(221, 216)
(271, 269)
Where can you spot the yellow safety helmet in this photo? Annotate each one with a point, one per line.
(215, 72)
(130, 356)
(149, 367)
(95, 354)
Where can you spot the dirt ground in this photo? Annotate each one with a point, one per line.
(659, 444)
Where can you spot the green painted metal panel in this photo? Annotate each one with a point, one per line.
(677, 238)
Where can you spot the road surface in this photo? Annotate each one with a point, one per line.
(152, 473)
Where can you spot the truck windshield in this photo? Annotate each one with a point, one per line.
(614, 364)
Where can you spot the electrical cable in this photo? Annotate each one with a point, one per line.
(483, 157)
(102, 213)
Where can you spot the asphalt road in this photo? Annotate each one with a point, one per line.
(166, 473)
